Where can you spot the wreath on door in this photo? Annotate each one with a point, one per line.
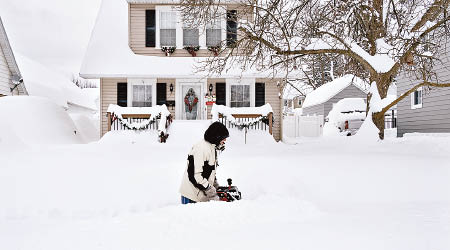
(190, 99)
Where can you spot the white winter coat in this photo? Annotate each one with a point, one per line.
(200, 171)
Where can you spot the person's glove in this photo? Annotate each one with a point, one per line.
(210, 192)
(216, 184)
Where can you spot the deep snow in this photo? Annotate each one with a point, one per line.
(122, 193)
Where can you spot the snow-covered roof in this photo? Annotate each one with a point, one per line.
(109, 55)
(43, 81)
(328, 90)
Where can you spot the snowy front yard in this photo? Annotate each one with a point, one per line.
(122, 193)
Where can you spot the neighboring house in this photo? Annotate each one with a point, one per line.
(11, 82)
(425, 111)
(125, 52)
(321, 100)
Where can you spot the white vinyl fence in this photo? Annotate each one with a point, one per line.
(299, 125)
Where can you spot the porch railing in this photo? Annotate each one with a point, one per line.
(246, 118)
(122, 118)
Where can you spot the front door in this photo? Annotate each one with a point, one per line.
(191, 95)
(189, 99)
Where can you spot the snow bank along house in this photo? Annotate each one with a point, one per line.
(125, 52)
(426, 111)
(11, 82)
(321, 100)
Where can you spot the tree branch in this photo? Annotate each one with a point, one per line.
(425, 83)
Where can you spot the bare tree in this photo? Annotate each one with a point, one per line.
(377, 39)
(83, 83)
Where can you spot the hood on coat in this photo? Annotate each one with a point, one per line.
(215, 133)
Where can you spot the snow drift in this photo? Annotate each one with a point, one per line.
(35, 120)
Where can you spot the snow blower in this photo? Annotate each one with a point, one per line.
(230, 193)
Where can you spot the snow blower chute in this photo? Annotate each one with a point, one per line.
(230, 193)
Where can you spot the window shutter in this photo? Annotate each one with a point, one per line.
(161, 93)
(231, 28)
(122, 94)
(220, 93)
(150, 28)
(260, 94)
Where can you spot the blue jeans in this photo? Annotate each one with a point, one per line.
(185, 200)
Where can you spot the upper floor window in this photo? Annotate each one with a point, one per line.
(213, 33)
(190, 36)
(416, 98)
(168, 28)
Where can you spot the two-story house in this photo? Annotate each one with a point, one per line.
(125, 52)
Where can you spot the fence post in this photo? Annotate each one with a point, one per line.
(109, 121)
(270, 123)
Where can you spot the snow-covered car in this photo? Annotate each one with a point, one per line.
(346, 117)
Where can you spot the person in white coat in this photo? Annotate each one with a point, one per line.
(199, 180)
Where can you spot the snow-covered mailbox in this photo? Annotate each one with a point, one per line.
(139, 118)
(254, 118)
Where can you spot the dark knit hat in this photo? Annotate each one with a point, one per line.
(216, 133)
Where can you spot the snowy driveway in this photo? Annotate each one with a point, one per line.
(122, 193)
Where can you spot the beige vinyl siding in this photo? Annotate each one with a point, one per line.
(136, 34)
(273, 98)
(108, 95)
(5, 75)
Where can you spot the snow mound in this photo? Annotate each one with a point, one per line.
(328, 90)
(35, 120)
(43, 81)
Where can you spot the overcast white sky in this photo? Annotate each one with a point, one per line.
(52, 32)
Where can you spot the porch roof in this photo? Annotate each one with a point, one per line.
(109, 55)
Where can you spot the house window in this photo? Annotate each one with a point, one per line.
(213, 33)
(142, 95)
(416, 98)
(190, 36)
(168, 28)
(240, 96)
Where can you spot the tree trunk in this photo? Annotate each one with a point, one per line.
(378, 120)
(383, 82)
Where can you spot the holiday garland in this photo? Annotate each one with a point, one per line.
(247, 124)
(214, 49)
(136, 125)
(192, 50)
(168, 50)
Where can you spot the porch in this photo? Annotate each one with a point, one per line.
(159, 119)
